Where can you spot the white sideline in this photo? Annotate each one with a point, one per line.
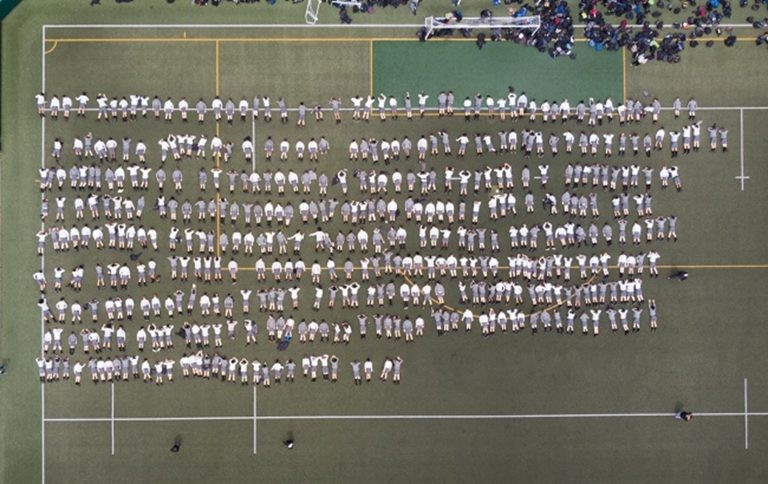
(746, 418)
(278, 26)
(253, 140)
(42, 264)
(254, 419)
(741, 176)
(433, 109)
(405, 417)
(112, 418)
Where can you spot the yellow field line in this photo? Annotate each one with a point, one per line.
(446, 306)
(370, 68)
(716, 39)
(55, 44)
(589, 281)
(460, 311)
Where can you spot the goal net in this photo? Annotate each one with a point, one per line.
(433, 24)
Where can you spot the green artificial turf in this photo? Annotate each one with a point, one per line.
(711, 334)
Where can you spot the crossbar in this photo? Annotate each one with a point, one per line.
(520, 23)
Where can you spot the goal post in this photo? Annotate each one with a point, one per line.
(433, 24)
(313, 8)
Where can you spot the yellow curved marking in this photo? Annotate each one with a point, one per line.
(55, 44)
(624, 73)
(459, 311)
(589, 281)
(370, 67)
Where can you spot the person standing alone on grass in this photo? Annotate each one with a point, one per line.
(288, 442)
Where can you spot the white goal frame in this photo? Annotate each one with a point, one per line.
(467, 23)
(313, 8)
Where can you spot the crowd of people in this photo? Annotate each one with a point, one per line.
(635, 25)
(204, 366)
(510, 105)
(645, 40)
(407, 237)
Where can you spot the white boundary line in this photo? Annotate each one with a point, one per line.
(746, 418)
(112, 424)
(255, 419)
(406, 417)
(726, 108)
(253, 140)
(278, 26)
(434, 109)
(245, 26)
(42, 263)
(741, 176)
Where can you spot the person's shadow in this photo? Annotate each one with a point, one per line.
(679, 407)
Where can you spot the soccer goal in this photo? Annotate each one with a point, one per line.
(432, 24)
(313, 8)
